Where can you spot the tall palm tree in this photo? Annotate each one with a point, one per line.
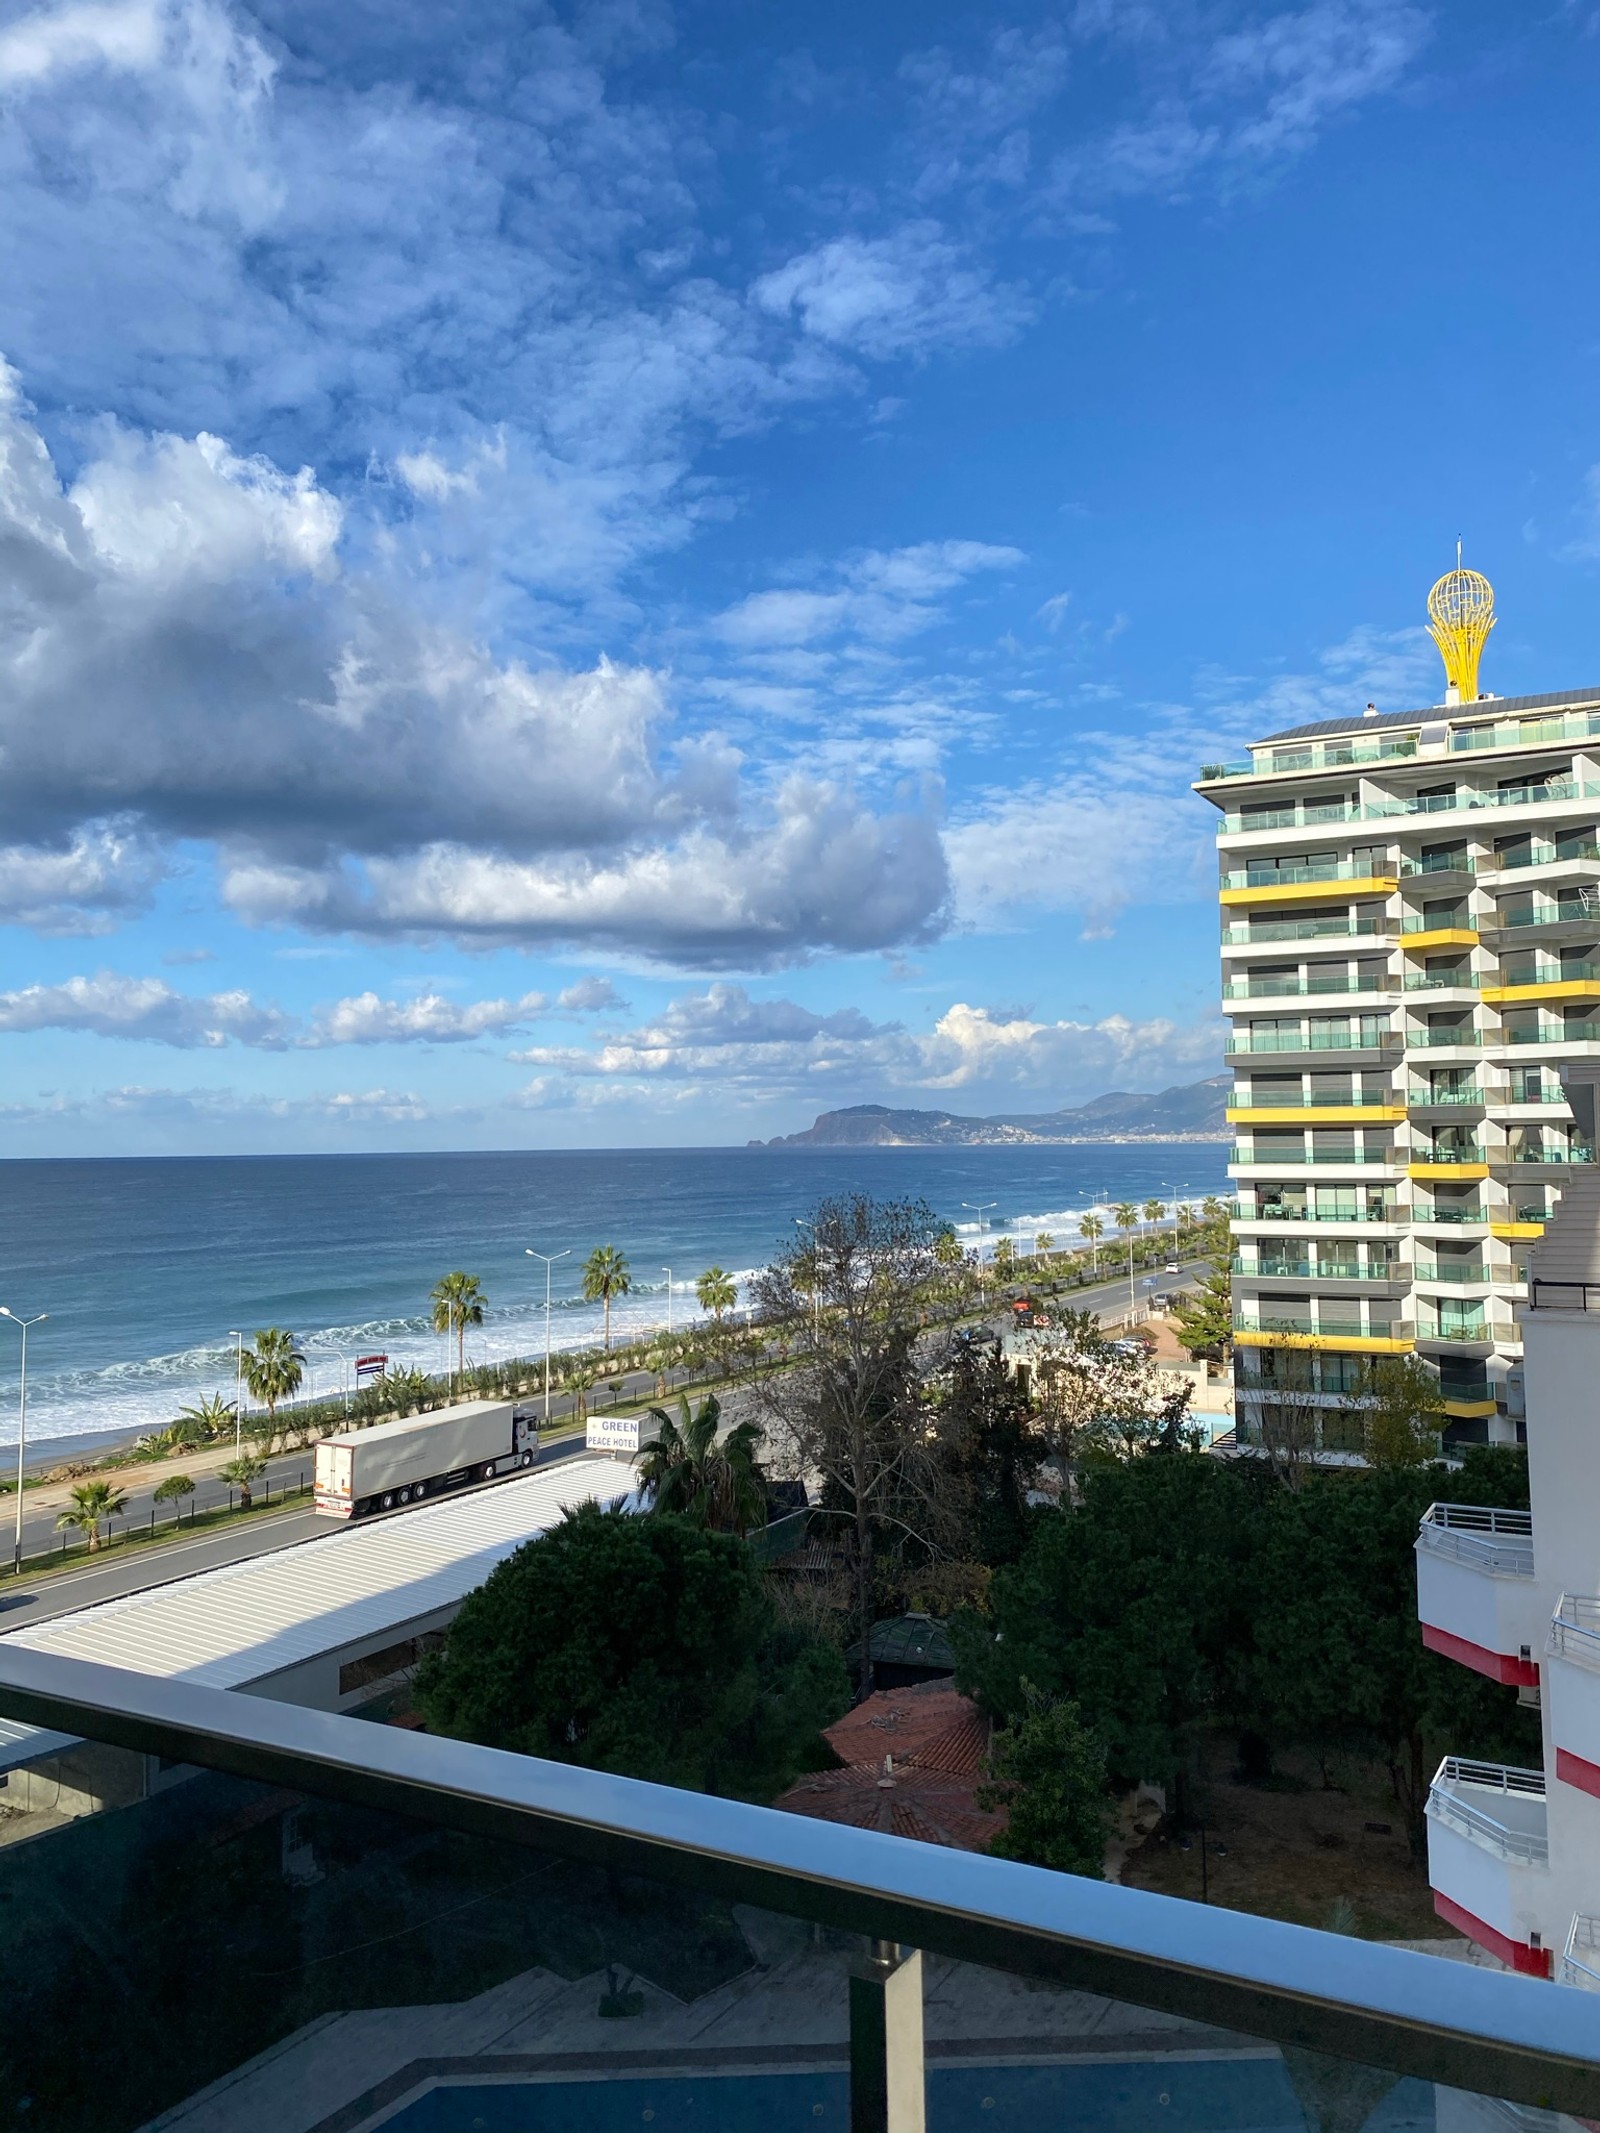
(1127, 1221)
(242, 1474)
(578, 1379)
(686, 1470)
(1154, 1210)
(1092, 1229)
(92, 1501)
(273, 1368)
(458, 1302)
(716, 1292)
(606, 1276)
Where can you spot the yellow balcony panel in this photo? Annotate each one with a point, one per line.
(1445, 937)
(1317, 1115)
(1344, 1343)
(1548, 989)
(1448, 1173)
(1311, 892)
(1512, 1230)
(1469, 1410)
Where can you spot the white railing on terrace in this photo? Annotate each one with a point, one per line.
(1575, 1630)
(1580, 1959)
(1497, 1542)
(1514, 1826)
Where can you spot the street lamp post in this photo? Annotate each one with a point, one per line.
(980, 1208)
(549, 1259)
(238, 1393)
(668, 1272)
(22, 1325)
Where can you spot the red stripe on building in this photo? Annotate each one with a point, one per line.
(1573, 1770)
(1515, 1673)
(1515, 1954)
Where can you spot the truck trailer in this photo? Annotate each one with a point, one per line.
(363, 1471)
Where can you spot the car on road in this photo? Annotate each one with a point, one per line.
(1172, 1267)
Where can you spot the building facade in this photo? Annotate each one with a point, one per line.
(1514, 1854)
(1410, 915)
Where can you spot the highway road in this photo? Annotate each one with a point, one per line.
(133, 1570)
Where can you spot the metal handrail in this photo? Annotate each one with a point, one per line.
(1499, 2035)
(1584, 1934)
(1319, 1043)
(1575, 1630)
(1445, 1804)
(1499, 1543)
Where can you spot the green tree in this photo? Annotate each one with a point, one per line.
(458, 1302)
(1154, 1211)
(1043, 1244)
(605, 1278)
(578, 1377)
(207, 1420)
(174, 1490)
(1005, 1256)
(1092, 1229)
(1048, 1772)
(1127, 1220)
(990, 1445)
(243, 1474)
(646, 1646)
(687, 1472)
(1203, 1316)
(717, 1292)
(273, 1368)
(91, 1502)
(1404, 1415)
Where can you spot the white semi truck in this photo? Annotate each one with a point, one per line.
(362, 1471)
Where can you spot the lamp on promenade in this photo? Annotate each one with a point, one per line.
(549, 1259)
(22, 1325)
(238, 1393)
(668, 1272)
(980, 1208)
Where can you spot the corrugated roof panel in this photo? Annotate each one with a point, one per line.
(1487, 707)
(241, 1622)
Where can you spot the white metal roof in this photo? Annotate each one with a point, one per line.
(239, 1623)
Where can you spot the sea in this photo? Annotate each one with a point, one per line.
(146, 1268)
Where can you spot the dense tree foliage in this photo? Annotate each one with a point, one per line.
(1185, 1590)
(1048, 1772)
(645, 1646)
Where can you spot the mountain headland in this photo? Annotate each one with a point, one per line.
(1193, 1112)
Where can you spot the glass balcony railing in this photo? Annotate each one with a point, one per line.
(1554, 1153)
(1466, 1216)
(1413, 924)
(1461, 803)
(1538, 855)
(1585, 1032)
(1324, 1325)
(1296, 877)
(1457, 1152)
(1386, 1213)
(255, 1915)
(1264, 931)
(1549, 974)
(1514, 921)
(1436, 1099)
(1241, 1154)
(1447, 1273)
(1304, 816)
(1443, 1040)
(1442, 981)
(1525, 732)
(1309, 1100)
(1440, 863)
(1316, 986)
(1320, 1269)
(1313, 1041)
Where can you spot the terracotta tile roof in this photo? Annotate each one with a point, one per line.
(913, 1760)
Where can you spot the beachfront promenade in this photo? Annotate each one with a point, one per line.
(122, 1569)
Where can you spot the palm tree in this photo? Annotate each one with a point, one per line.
(1043, 1244)
(243, 1474)
(605, 1276)
(578, 1378)
(686, 1470)
(1093, 1229)
(717, 1292)
(211, 1417)
(272, 1370)
(92, 1501)
(1153, 1211)
(458, 1302)
(1127, 1216)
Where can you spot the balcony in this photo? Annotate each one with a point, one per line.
(192, 1959)
(1318, 985)
(1253, 1109)
(1525, 732)
(1580, 982)
(1261, 931)
(1448, 1274)
(1300, 816)
(1450, 863)
(1442, 981)
(1572, 1643)
(1319, 1269)
(1465, 1099)
(1322, 1329)
(1270, 1158)
(1580, 1959)
(1476, 1599)
(1489, 1858)
(1255, 885)
(1277, 1042)
(1553, 1154)
(1432, 1040)
(1549, 790)
(1540, 855)
(1292, 1217)
(1320, 755)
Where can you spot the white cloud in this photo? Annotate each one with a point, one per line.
(147, 1009)
(972, 1048)
(904, 294)
(99, 873)
(592, 996)
(722, 1034)
(881, 595)
(428, 1019)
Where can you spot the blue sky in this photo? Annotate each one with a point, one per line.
(627, 574)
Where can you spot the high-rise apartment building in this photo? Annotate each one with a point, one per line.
(1410, 953)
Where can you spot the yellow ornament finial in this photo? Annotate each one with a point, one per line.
(1460, 617)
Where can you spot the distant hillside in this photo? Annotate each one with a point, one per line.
(1192, 1113)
